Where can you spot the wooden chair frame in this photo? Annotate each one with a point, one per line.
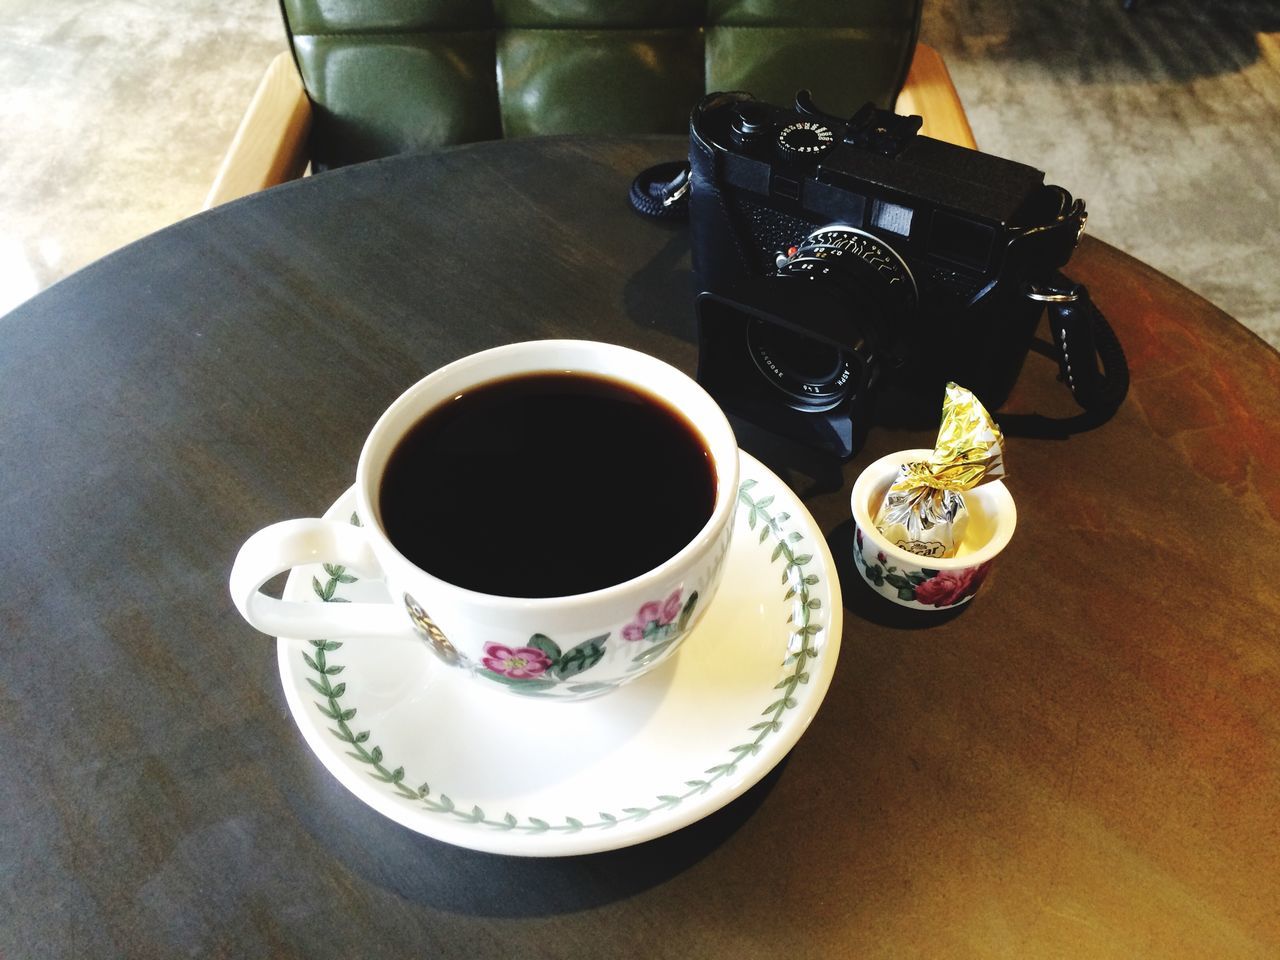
(270, 145)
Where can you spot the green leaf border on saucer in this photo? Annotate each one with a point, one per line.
(805, 625)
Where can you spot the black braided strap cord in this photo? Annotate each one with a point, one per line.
(653, 185)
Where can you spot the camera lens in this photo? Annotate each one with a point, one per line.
(815, 375)
(849, 283)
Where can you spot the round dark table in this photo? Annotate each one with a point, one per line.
(1085, 763)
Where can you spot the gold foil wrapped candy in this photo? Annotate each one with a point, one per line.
(924, 511)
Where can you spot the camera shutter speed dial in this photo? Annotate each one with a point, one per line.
(805, 137)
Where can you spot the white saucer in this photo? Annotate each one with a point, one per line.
(477, 767)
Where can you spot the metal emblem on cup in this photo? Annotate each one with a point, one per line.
(648, 592)
(427, 629)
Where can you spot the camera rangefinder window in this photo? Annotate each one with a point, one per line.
(961, 241)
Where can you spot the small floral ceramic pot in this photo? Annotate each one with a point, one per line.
(562, 648)
(919, 582)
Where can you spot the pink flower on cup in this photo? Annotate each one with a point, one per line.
(653, 616)
(520, 663)
(949, 587)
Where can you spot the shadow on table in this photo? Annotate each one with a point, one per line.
(659, 296)
(435, 874)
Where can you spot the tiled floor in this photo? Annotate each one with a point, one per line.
(1165, 119)
(113, 118)
(114, 115)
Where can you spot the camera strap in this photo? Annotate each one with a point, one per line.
(1090, 358)
(662, 191)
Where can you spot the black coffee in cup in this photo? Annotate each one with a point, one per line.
(547, 485)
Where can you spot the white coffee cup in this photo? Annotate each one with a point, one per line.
(556, 647)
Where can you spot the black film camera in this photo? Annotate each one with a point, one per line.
(838, 256)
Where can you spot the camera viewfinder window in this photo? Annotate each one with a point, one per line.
(963, 242)
(892, 217)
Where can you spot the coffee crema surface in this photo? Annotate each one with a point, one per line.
(547, 484)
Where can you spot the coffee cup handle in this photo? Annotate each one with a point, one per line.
(291, 543)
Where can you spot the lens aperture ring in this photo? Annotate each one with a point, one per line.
(863, 276)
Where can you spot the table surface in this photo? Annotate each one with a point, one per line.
(1084, 763)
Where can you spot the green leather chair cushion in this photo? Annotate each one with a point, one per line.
(387, 76)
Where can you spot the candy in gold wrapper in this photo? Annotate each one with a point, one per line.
(924, 511)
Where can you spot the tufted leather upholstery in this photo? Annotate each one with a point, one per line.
(387, 76)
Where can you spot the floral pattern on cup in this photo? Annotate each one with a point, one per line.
(660, 624)
(923, 585)
(522, 663)
(541, 663)
(654, 619)
(950, 587)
